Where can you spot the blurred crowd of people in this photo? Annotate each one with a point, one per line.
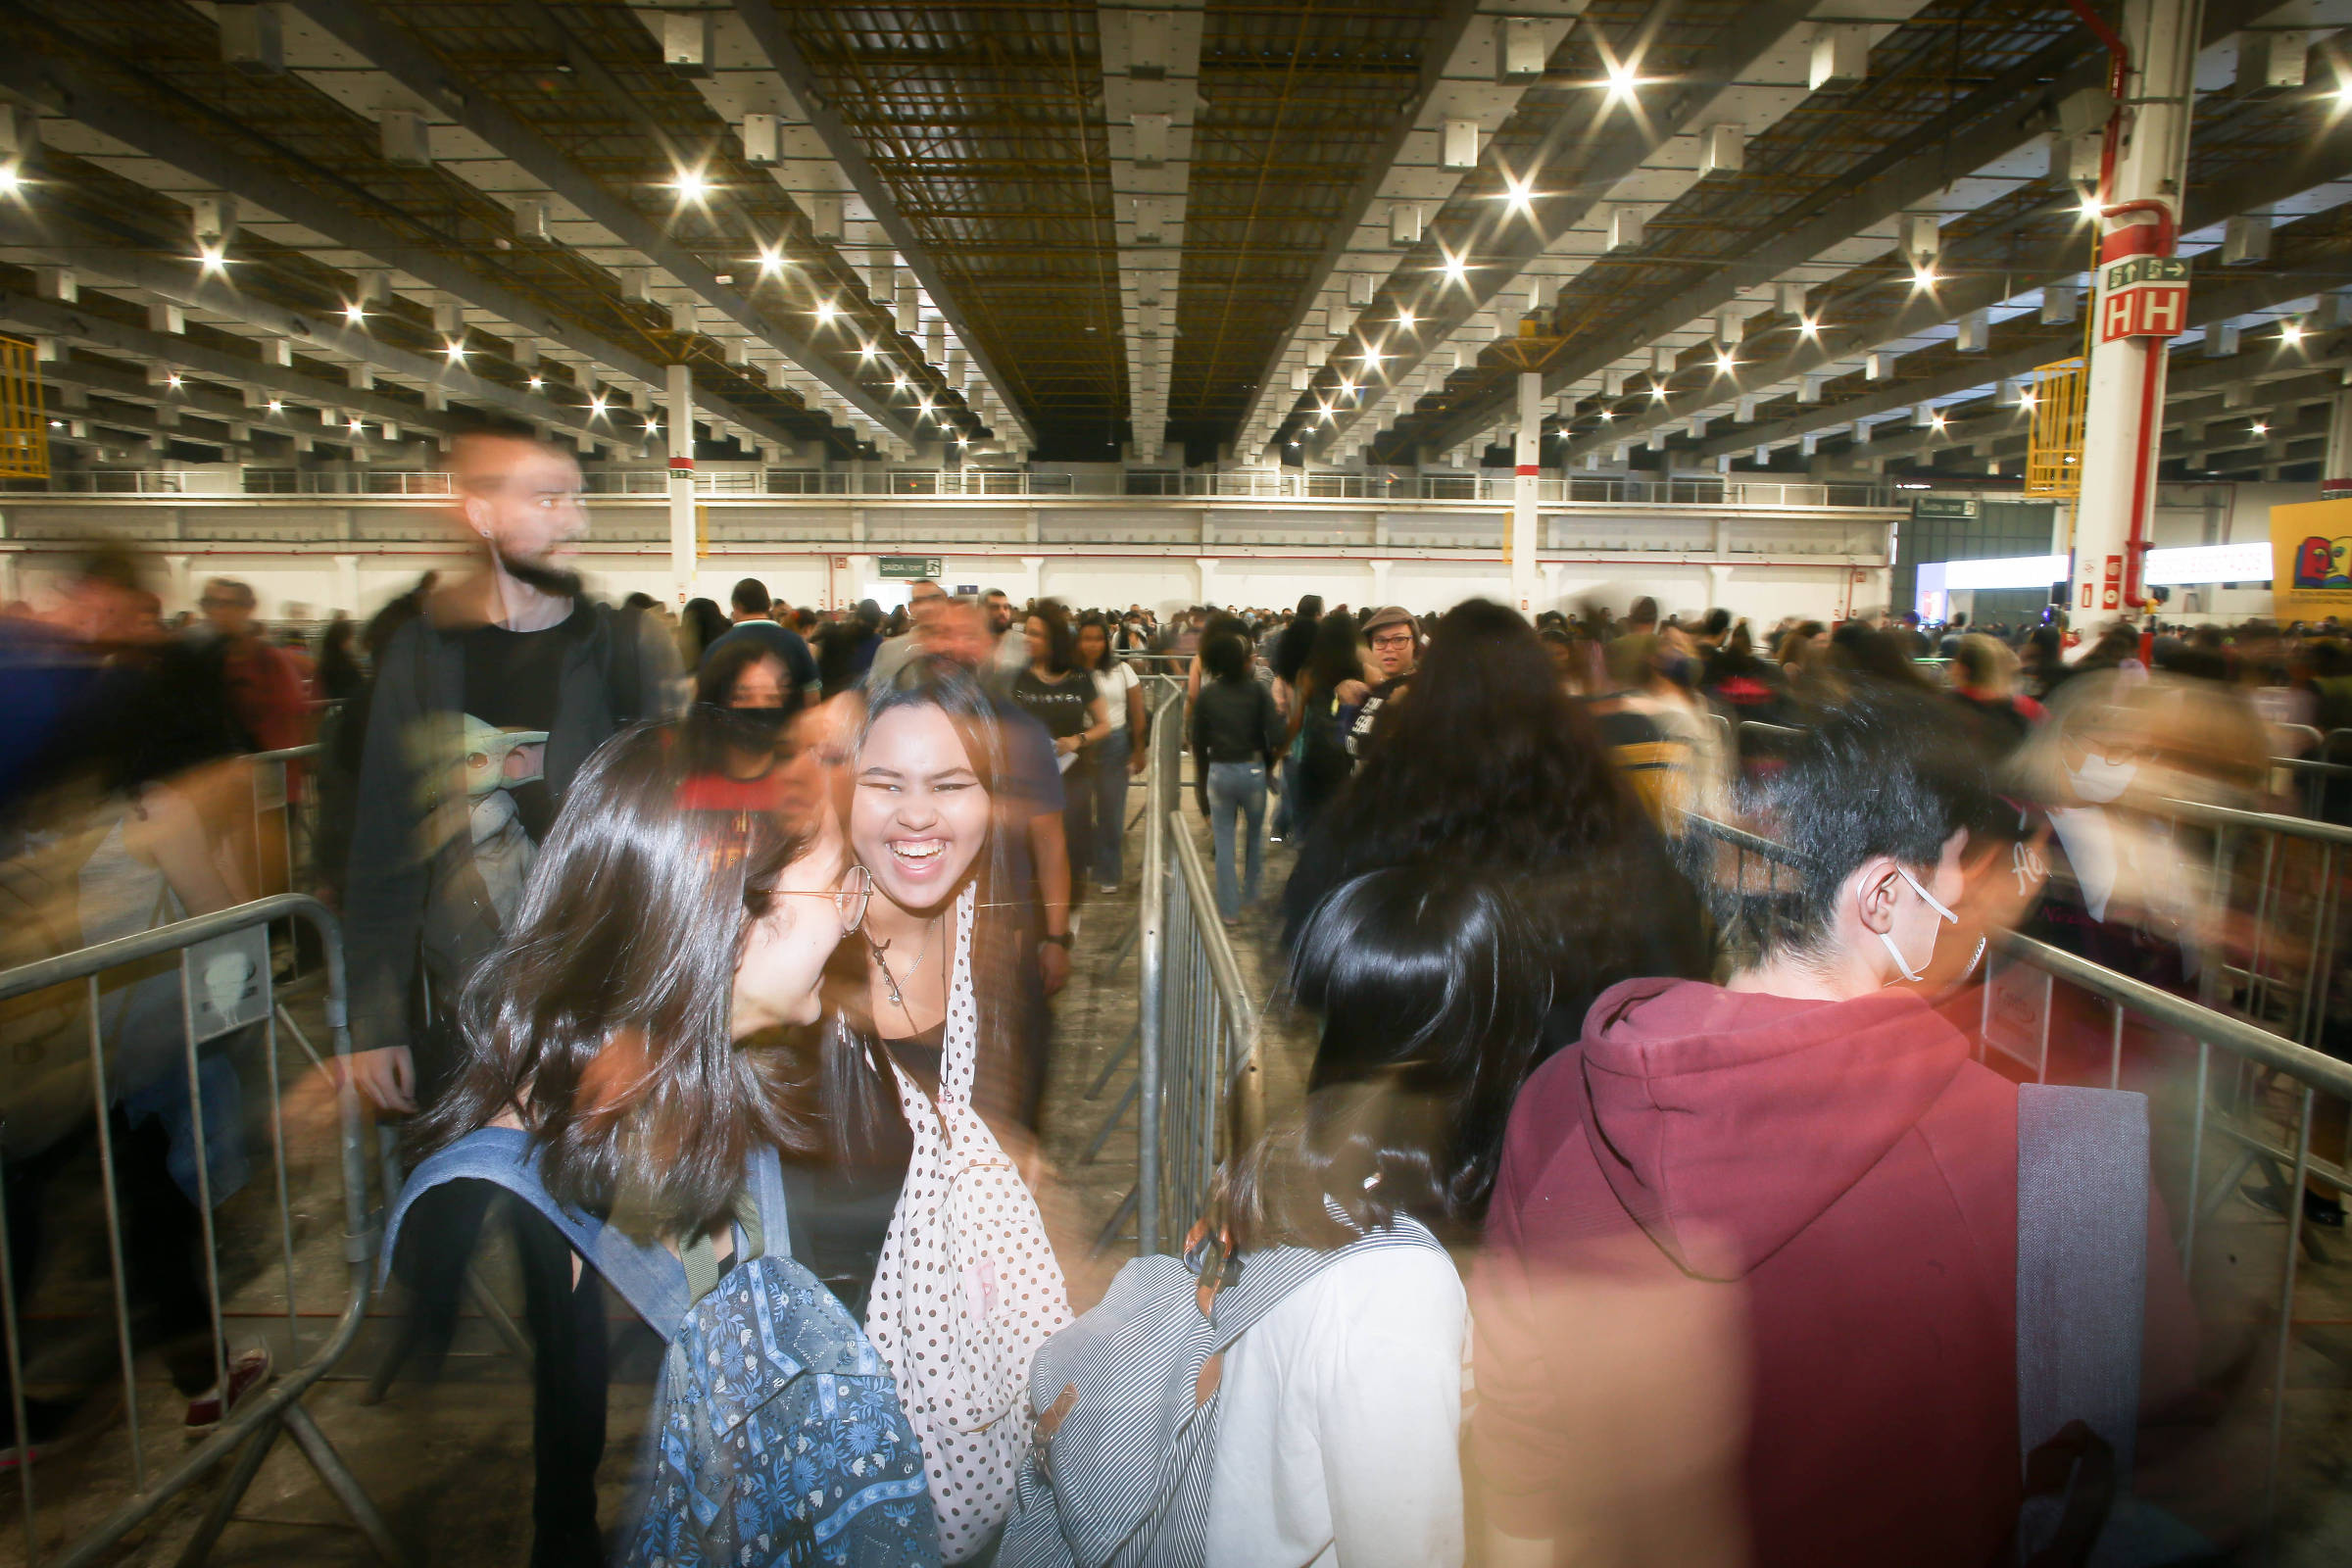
(1642, 1205)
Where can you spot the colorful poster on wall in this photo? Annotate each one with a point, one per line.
(2311, 561)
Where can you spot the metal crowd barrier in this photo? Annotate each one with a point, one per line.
(2258, 1111)
(225, 988)
(1197, 1075)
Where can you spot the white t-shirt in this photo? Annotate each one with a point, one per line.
(1112, 682)
(1338, 1443)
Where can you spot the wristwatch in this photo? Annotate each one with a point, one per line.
(1060, 939)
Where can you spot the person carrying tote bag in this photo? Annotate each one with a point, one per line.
(966, 1287)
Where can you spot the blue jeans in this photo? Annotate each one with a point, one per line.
(1104, 865)
(1238, 791)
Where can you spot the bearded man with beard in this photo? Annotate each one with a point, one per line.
(517, 653)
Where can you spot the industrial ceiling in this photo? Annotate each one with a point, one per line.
(1762, 233)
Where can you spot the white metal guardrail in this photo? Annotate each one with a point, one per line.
(1012, 485)
(254, 1425)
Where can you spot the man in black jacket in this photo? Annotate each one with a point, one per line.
(516, 650)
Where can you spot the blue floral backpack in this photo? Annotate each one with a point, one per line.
(776, 1437)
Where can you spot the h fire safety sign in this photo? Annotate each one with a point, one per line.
(2110, 590)
(2144, 296)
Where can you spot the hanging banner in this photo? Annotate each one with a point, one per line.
(2311, 561)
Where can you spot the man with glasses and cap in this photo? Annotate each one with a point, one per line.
(1395, 641)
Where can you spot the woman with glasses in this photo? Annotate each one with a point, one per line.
(627, 1024)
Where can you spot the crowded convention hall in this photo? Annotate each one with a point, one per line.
(1175, 784)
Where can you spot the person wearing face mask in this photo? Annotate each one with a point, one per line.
(744, 705)
(1813, 1143)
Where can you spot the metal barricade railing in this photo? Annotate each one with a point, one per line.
(232, 993)
(2261, 1111)
(1210, 1082)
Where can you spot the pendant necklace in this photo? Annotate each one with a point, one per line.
(890, 981)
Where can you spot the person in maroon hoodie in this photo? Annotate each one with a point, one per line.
(1748, 1292)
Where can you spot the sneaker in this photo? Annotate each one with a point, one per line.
(46, 1420)
(246, 1373)
(2317, 1211)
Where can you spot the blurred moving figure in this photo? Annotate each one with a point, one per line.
(267, 691)
(1098, 822)
(512, 665)
(1805, 1165)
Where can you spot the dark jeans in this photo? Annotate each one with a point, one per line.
(1096, 815)
(163, 1244)
(570, 1373)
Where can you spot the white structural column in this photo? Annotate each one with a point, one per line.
(2122, 421)
(680, 399)
(1526, 474)
(2336, 475)
(347, 586)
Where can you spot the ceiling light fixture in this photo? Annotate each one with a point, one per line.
(827, 310)
(1725, 365)
(535, 383)
(10, 179)
(212, 257)
(2291, 333)
(1520, 193)
(2025, 400)
(175, 379)
(457, 351)
(692, 184)
(1809, 326)
(1924, 277)
(771, 262)
(596, 406)
(355, 312)
(1404, 321)
(2261, 428)
(1623, 80)
(1657, 393)
(277, 407)
(1607, 414)
(1457, 269)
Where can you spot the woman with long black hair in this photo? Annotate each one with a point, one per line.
(621, 1025)
(1491, 766)
(1341, 1405)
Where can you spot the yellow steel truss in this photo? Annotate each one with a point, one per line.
(24, 424)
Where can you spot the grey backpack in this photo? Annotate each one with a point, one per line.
(1126, 1419)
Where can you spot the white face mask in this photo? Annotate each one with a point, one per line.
(1928, 899)
(2099, 781)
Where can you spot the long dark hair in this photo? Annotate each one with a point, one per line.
(1062, 640)
(602, 1017)
(1432, 991)
(1485, 762)
(1334, 656)
(855, 1089)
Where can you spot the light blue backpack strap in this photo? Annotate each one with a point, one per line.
(650, 1278)
(2081, 1263)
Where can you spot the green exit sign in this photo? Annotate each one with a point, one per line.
(910, 565)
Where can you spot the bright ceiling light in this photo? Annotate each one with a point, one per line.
(1808, 326)
(277, 407)
(1937, 419)
(1457, 269)
(11, 181)
(867, 351)
(827, 310)
(1404, 321)
(1725, 365)
(175, 379)
(2025, 400)
(2260, 428)
(2291, 333)
(1658, 392)
(1622, 81)
(771, 262)
(457, 351)
(355, 424)
(355, 312)
(692, 184)
(1520, 193)
(1924, 277)
(596, 405)
(1347, 387)
(212, 257)
(2091, 208)
(535, 383)
(897, 381)
(1607, 415)
(1372, 357)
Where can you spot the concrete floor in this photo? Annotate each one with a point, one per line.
(448, 1464)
